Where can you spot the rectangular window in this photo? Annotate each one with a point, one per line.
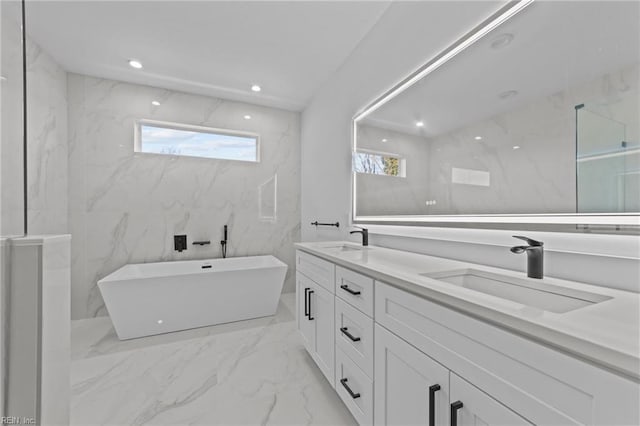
(378, 163)
(156, 137)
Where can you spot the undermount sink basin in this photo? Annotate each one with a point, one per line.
(547, 297)
(344, 247)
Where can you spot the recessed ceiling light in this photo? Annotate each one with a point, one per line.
(155, 103)
(384, 140)
(419, 123)
(256, 88)
(135, 64)
(508, 94)
(501, 41)
(516, 147)
(478, 138)
(160, 321)
(247, 117)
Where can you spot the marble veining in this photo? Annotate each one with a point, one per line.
(125, 207)
(249, 372)
(529, 152)
(11, 130)
(47, 141)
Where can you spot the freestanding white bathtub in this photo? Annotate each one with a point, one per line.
(154, 298)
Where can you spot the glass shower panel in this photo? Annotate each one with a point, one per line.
(11, 120)
(608, 166)
(12, 212)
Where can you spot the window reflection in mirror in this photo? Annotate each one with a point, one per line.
(496, 130)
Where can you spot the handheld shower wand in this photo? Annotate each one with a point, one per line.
(223, 243)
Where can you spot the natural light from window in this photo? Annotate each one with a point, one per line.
(378, 164)
(196, 141)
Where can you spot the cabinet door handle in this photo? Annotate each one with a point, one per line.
(454, 412)
(309, 296)
(306, 305)
(432, 404)
(346, 386)
(349, 335)
(348, 290)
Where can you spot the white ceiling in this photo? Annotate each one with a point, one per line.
(556, 45)
(215, 48)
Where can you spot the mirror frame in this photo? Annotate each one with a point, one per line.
(618, 223)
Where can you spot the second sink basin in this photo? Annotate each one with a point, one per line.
(344, 247)
(544, 296)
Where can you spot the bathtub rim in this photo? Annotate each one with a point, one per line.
(113, 276)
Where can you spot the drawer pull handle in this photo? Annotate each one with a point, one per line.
(432, 404)
(348, 290)
(306, 303)
(349, 335)
(353, 395)
(454, 412)
(309, 296)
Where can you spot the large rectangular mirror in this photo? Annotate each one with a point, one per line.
(533, 117)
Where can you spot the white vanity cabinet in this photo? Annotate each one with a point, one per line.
(355, 289)
(354, 335)
(397, 358)
(500, 377)
(413, 389)
(410, 387)
(469, 406)
(315, 313)
(306, 327)
(354, 342)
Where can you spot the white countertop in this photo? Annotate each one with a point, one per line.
(606, 334)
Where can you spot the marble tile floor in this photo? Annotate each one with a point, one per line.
(252, 372)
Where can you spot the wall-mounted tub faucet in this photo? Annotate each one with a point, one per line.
(365, 235)
(223, 243)
(179, 243)
(535, 256)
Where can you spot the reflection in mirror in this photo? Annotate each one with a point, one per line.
(538, 117)
(608, 164)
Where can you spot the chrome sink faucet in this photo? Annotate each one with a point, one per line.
(535, 256)
(365, 235)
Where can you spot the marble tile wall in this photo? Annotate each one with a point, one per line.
(616, 96)
(536, 177)
(540, 175)
(528, 153)
(125, 207)
(390, 195)
(47, 157)
(11, 121)
(47, 170)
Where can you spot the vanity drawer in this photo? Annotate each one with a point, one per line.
(354, 388)
(356, 289)
(354, 335)
(318, 270)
